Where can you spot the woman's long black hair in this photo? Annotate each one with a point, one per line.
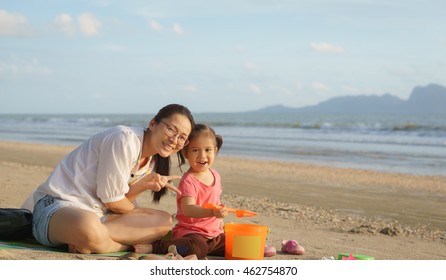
(162, 165)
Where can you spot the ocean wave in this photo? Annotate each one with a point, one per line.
(384, 141)
(361, 127)
(378, 123)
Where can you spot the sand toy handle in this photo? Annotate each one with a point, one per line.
(238, 212)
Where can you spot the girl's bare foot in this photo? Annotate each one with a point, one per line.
(143, 248)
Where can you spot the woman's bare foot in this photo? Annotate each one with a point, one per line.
(143, 248)
(71, 249)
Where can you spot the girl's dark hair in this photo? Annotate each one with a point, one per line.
(200, 128)
(162, 165)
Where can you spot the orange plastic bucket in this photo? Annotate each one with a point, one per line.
(245, 241)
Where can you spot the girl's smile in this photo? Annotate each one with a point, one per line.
(201, 152)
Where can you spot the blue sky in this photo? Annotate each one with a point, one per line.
(109, 56)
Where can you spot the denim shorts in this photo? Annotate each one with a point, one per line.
(43, 211)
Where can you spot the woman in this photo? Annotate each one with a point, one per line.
(88, 200)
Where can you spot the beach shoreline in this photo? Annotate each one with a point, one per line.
(328, 210)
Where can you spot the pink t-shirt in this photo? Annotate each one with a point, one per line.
(192, 187)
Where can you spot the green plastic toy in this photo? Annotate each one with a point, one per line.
(348, 256)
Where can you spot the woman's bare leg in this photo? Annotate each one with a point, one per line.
(139, 226)
(83, 231)
(143, 248)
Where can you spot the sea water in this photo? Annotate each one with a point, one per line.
(391, 143)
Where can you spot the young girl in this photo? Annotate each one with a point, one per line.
(199, 231)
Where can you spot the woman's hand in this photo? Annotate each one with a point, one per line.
(155, 182)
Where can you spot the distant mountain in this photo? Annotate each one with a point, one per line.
(431, 98)
(423, 100)
(357, 104)
(277, 109)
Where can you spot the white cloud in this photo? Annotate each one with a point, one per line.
(177, 29)
(189, 88)
(7, 68)
(250, 66)
(27, 68)
(319, 87)
(325, 47)
(154, 25)
(65, 23)
(240, 49)
(254, 88)
(12, 24)
(281, 91)
(150, 13)
(35, 68)
(299, 86)
(88, 24)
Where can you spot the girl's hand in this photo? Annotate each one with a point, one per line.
(156, 182)
(220, 212)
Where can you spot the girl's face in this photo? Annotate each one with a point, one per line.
(167, 137)
(201, 152)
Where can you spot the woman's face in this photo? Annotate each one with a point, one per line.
(167, 137)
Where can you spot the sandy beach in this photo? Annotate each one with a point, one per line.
(327, 210)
